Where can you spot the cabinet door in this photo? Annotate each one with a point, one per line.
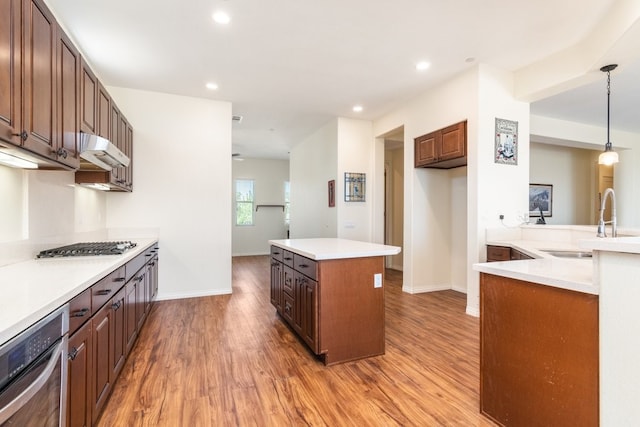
(39, 83)
(154, 278)
(140, 298)
(79, 373)
(10, 83)
(453, 143)
(114, 137)
(298, 285)
(103, 113)
(68, 90)
(131, 325)
(118, 323)
(129, 152)
(308, 302)
(426, 151)
(102, 342)
(276, 284)
(88, 94)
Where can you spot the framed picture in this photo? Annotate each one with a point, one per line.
(354, 187)
(506, 146)
(540, 198)
(332, 193)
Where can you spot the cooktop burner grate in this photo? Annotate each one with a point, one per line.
(88, 249)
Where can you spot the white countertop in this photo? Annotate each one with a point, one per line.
(571, 274)
(613, 244)
(30, 290)
(330, 248)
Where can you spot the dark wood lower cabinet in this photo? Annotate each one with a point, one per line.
(539, 356)
(331, 304)
(102, 342)
(99, 348)
(79, 380)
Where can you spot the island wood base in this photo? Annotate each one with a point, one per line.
(331, 304)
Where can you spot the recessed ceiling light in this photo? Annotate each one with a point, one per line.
(221, 17)
(357, 108)
(422, 65)
(470, 60)
(212, 86)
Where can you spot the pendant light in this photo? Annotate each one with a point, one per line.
(608, 156)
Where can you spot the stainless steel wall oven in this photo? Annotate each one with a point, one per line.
(33, 374)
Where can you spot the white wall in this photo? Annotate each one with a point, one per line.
(182, 186)
(313, 163)
(458, 183)
(571, 171)
(44, 209)
(355, 144)
(269, 177)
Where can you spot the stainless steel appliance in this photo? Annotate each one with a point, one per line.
(88, 249)
(33, 374)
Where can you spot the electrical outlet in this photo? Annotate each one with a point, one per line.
(377, 280)
(501, 216)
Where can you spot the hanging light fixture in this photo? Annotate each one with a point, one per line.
(608, 156)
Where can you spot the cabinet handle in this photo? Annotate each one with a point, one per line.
(303, 265)
(138, 278)
(288, 258)
(73, 353)
(104, 292)
(23, 135)
(119, 279)
(116, 305)
(80, 313)
(62, 153)
(148, 255)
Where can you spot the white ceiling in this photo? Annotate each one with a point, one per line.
(289, 66)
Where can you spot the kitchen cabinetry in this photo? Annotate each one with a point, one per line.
(80, 363)
(105, 321)
(88, 100)
(443, 149)
(539, 356)
(331, 304)
(504, 253)
(39, 79)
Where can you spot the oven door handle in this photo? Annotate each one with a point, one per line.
(25, 395)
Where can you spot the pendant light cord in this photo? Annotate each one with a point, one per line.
(608, 106)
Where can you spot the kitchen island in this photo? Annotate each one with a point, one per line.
(331, 293)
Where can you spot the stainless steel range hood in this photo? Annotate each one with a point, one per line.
(100, 152)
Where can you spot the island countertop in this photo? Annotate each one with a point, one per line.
(331, 248)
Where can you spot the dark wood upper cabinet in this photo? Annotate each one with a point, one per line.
(443, 149)
(103, 105)
(68, 126)
(88, 94)
(39, 84)
(10, 82)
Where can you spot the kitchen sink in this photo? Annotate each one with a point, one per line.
(568, 254)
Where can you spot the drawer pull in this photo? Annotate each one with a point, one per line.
(73, 353)
(119, 279)
(116, 305)
(80, 313)
(303, 265)
(288, 258)
(138, 278)
(104, 292)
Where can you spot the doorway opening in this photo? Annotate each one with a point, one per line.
(394, 194)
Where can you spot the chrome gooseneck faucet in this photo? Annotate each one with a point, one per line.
(601, 223)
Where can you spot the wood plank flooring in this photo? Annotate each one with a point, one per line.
(231, 361)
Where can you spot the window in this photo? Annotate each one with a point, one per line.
(287, 190)
(244, 202)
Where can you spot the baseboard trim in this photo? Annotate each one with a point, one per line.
(183, 295)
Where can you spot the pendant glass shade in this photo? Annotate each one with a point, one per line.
(608, 156)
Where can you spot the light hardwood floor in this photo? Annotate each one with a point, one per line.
(231, 361)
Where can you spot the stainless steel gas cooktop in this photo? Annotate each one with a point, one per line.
(88, 249)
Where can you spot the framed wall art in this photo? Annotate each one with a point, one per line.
(332, 193)
(540, 199)
(506, 145)
(355, 187)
